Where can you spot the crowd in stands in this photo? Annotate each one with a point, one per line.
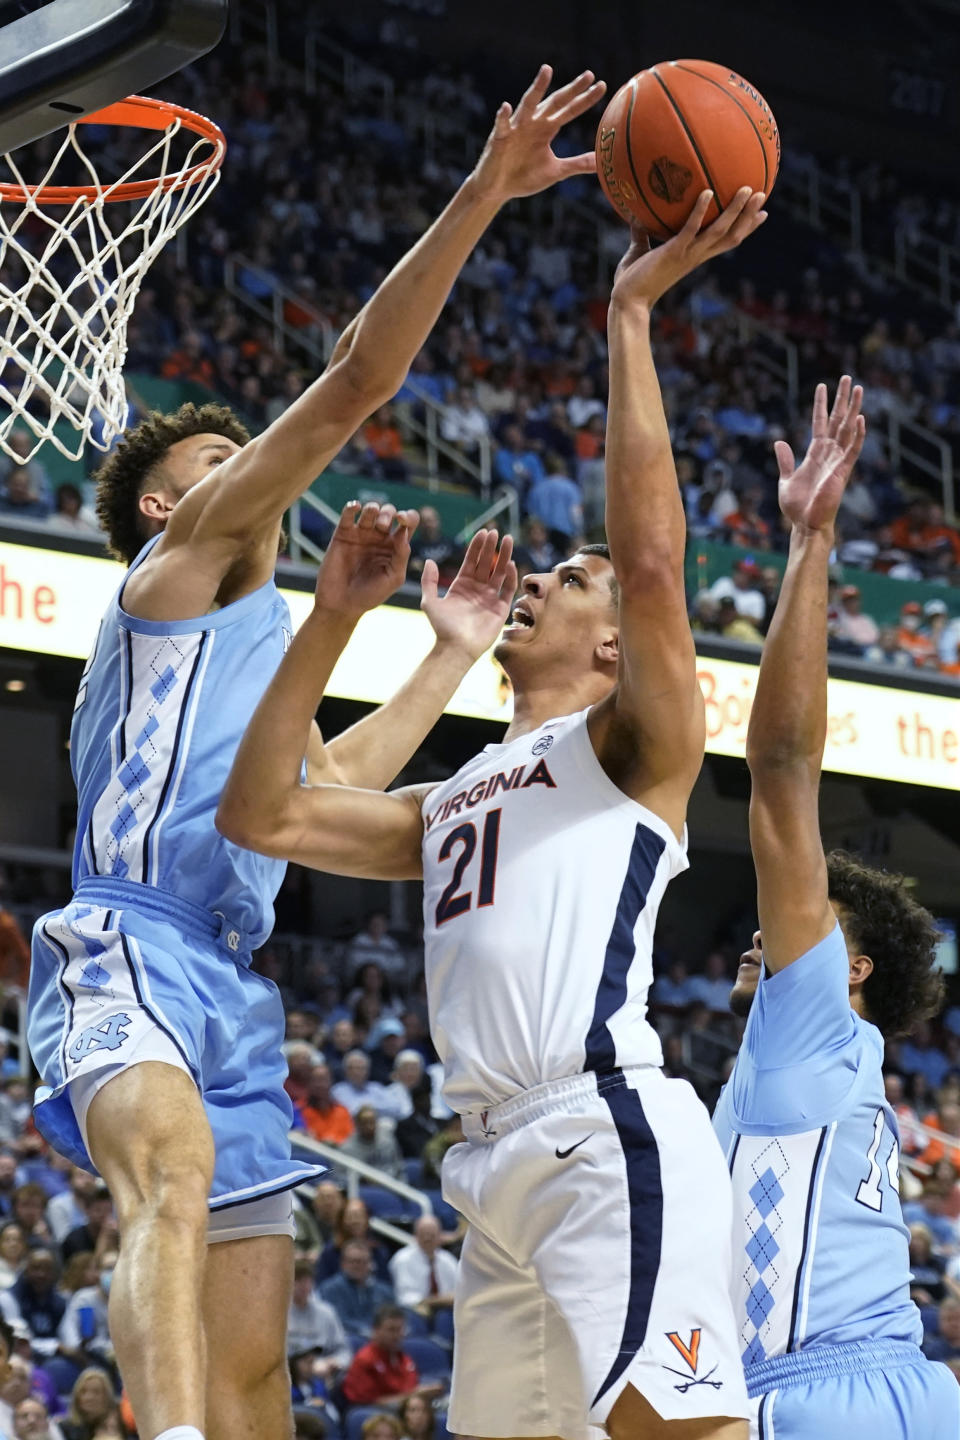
(519, 356)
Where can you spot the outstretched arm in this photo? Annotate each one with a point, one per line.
(788, 722)
(331, 824)
(235, 511)
(655, 714)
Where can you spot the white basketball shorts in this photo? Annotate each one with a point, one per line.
(599, 1256)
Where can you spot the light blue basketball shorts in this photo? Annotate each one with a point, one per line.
(125, 973)
(878, 1389)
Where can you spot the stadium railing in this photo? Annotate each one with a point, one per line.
(316, 340)
(358, 1170)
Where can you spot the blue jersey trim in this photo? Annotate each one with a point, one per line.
(126, 666)
(215, 619)
(645, 853)
(149, 1009)
(65, 993)
(174, 756)
(814, 1172)
(645, 1194)
(304, 1174)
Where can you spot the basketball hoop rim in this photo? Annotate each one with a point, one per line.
(143, 113)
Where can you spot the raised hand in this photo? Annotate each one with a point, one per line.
(517, 158)
(366, 560)
(646, 273)
(475, 608)
(810, 493)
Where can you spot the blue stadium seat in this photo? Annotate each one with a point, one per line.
(445, 1213)
(416, 1323)
(386, 1204)
(353, 1429)
(443, 1326)
(414, 1173)
(431, 1359)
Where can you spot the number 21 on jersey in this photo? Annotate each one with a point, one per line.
(460, 846)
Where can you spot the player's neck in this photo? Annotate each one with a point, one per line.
(533, 706)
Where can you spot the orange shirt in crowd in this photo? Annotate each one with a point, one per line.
(14, 951)
(384, 440)
(937, 1149)
(333, 1125)
(907, 535)
(587, 445)
(920, 646)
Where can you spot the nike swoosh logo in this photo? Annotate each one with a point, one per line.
(563, 1154)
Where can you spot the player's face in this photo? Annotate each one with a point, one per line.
(748, 973)
(191, 460)
(748, 978)
(563, 616)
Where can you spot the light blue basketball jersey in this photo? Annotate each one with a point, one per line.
(820, 1247)
(160, 712)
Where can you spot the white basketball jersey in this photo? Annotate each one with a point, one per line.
(542, 882)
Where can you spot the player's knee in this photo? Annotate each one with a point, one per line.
(257, 1372)
(172, 1191)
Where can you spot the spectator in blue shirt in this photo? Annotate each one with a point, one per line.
(558, 502)
(39, 1304)
(19, 500)
(516, 464)
(741, 417)
(675, 989)
(712, 988)
(354, 1293)
(932, 1210)
(945, 1345)
(919, 1053)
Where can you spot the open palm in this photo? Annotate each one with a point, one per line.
(366, 560)
(475, 608)
(518, 158)
(810, 493)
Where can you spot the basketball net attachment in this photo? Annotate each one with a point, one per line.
(72, 260)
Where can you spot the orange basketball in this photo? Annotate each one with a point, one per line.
(679, 128)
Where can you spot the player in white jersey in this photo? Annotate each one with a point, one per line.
(844, 956)
(158, 1045)
(594, 1282)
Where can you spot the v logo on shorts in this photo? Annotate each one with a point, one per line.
(689, 1352)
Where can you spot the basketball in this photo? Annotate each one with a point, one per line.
(679, 128)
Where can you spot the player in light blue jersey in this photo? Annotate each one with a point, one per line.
(829, 1335)
(158, 1046)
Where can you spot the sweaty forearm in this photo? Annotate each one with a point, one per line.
(644, 513)
(788, 721)
(373, 752)
(267, 769)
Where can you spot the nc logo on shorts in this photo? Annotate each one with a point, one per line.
(107, 1035)
(543, 745)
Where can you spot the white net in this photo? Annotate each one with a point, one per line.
(71, 265)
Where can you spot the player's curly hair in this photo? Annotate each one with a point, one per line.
(881, 919)
(124, 474)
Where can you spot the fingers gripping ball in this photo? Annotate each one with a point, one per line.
(679, 128)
